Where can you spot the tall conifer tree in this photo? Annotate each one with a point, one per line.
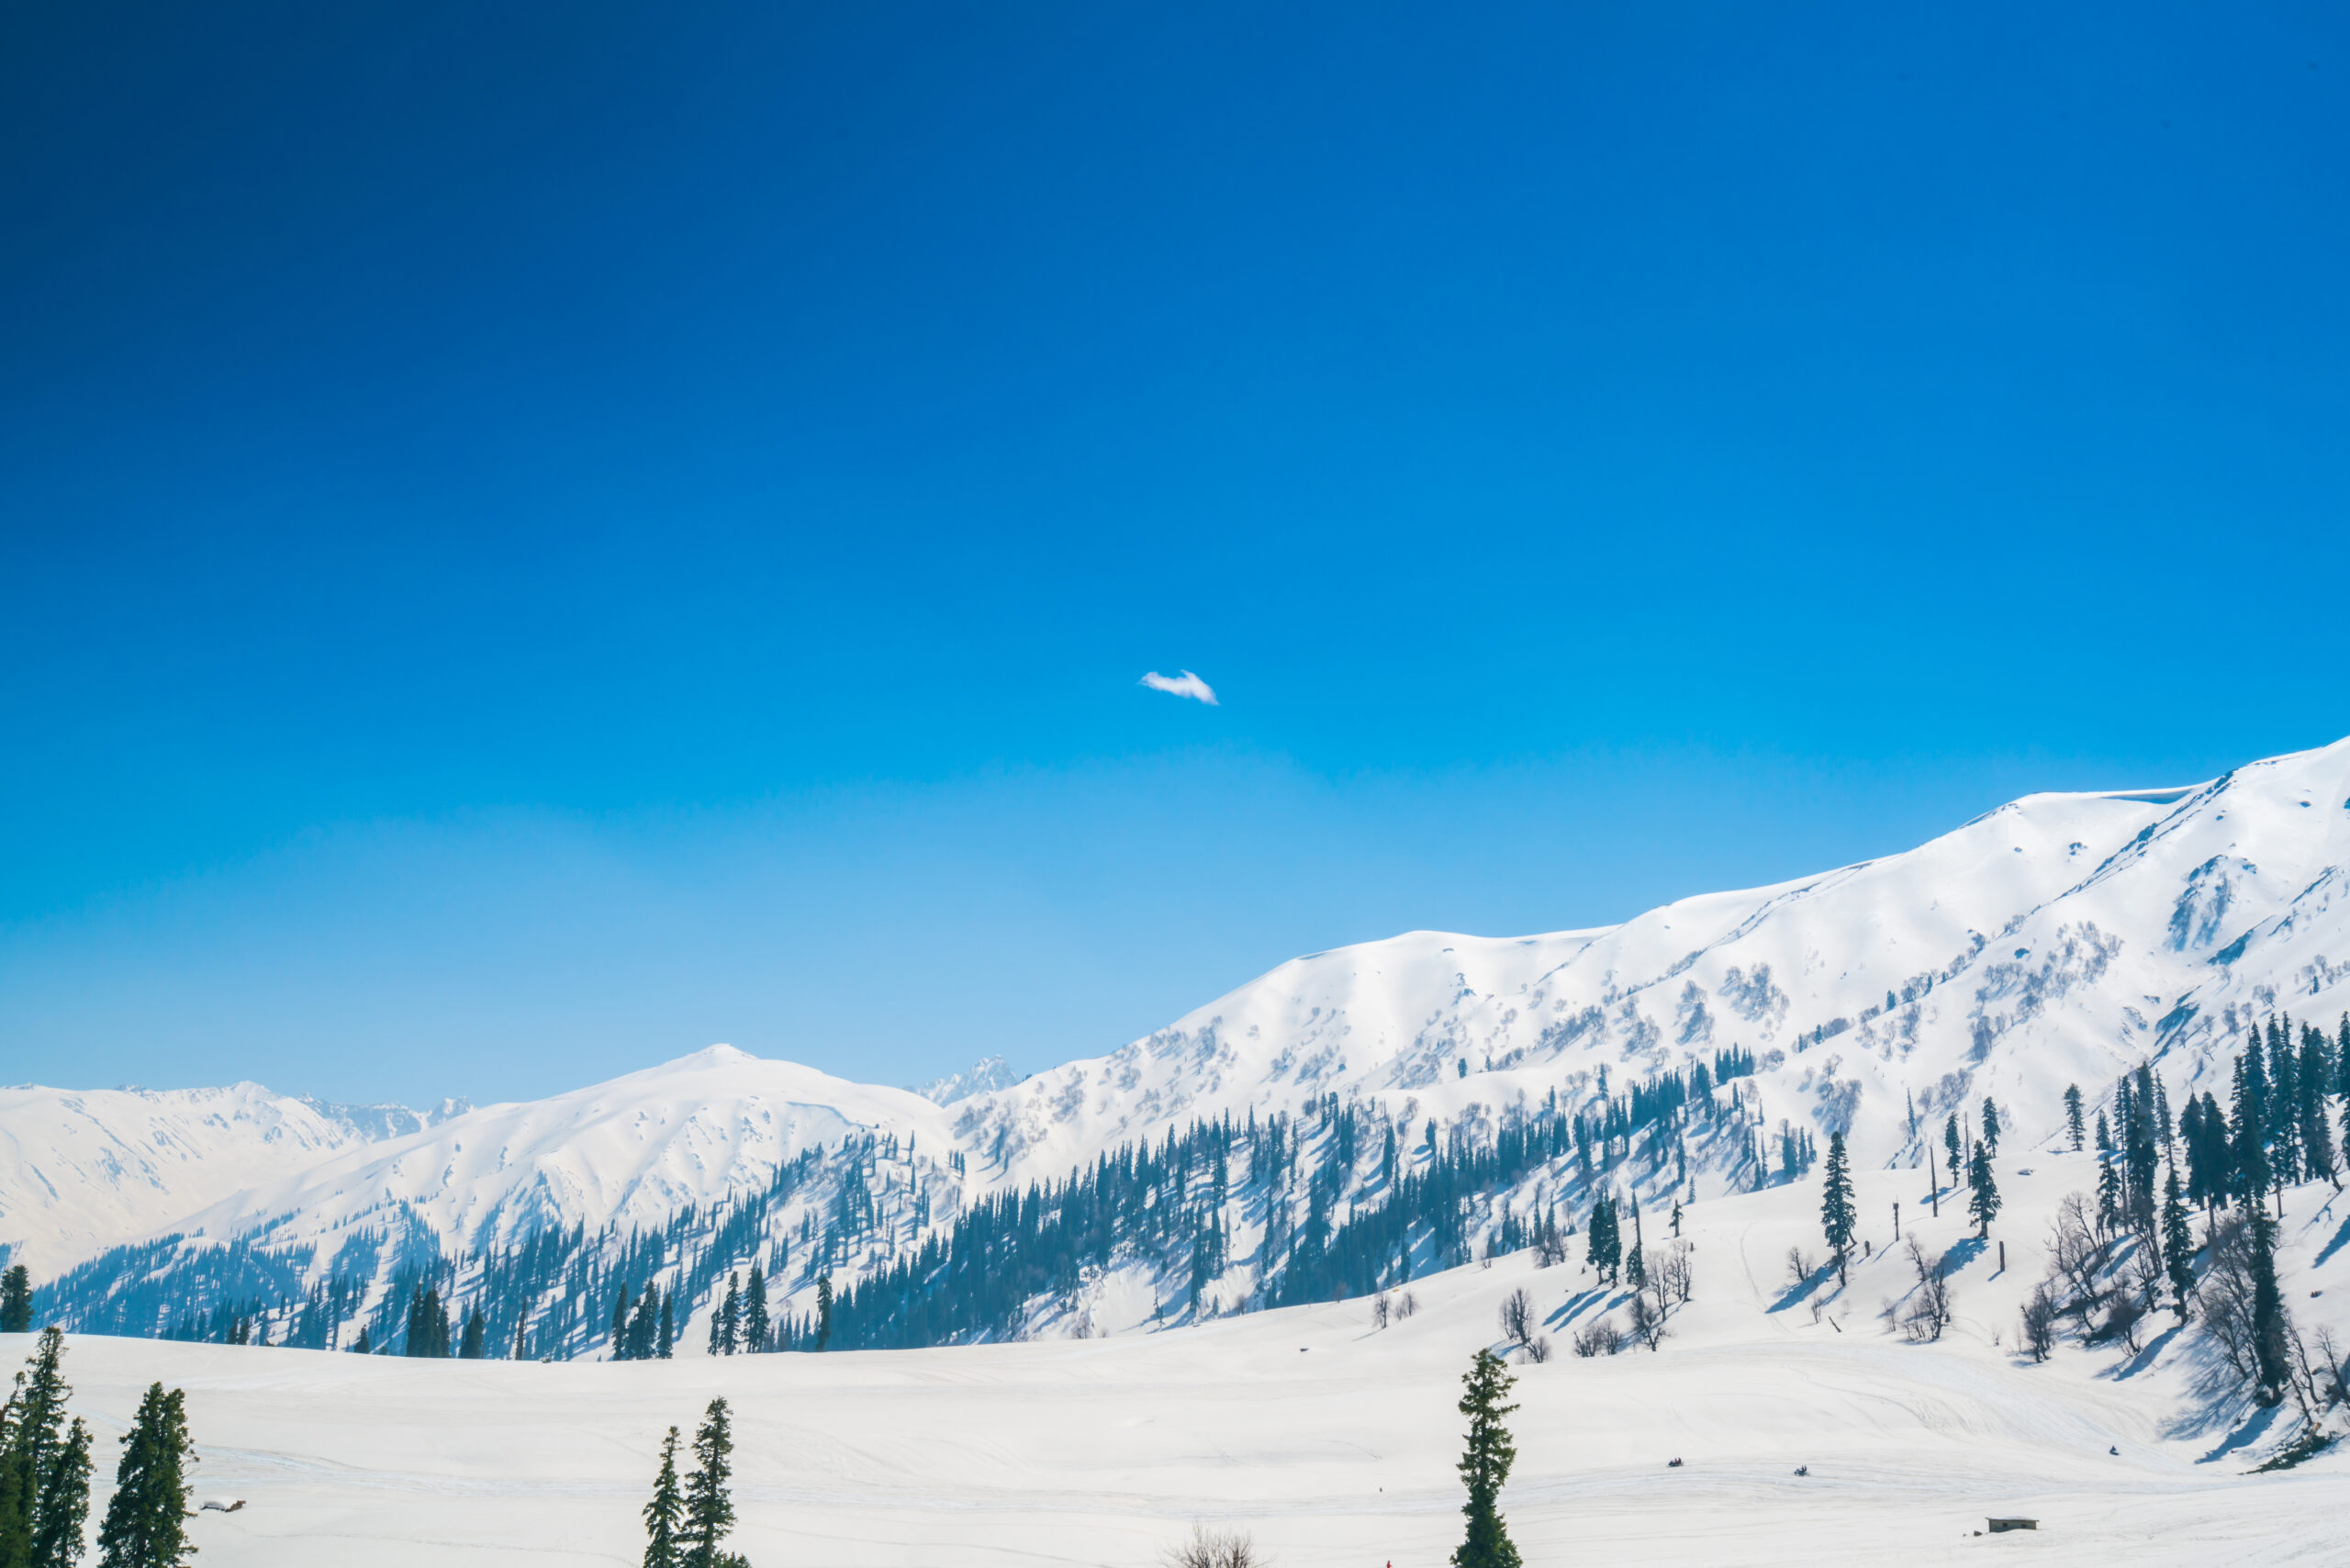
(146, 1522)
(1485, 1464)
(665, 1516)
(708, 1507)
(1838, 1215)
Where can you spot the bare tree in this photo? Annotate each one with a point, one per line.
(1517, 1317)
(1799, 1269)
(1406, 1304)
(1670, 1271)
(1215, 1549)
(1647, 1319)
(2039, 1322)
(2147, 1273)
(2125, 1319)
(2226, 1295)
(2077, 1251)
(1537, 1350)
(1379, 1310)
(1600, 1337)
(1928, 1312)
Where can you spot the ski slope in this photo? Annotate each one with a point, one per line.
(1329, 1440)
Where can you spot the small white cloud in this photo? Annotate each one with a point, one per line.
(1184, 685)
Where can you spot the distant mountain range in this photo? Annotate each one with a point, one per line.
(2060, 939)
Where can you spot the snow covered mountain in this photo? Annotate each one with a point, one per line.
(81, 1170)
(2060, 939)
(629, 1153)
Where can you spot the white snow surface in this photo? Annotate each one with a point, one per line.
(1328, 1440)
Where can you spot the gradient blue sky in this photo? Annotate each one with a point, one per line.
(538, 537)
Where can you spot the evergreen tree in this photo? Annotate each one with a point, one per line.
(1605, 1247)
(1838, 1215)
(665, 1516)
(2108, 1196)
(2267, 1311)
(63, 1506)
(2178, 1243)
(2073, 1114)
(2317, 1134)
(477, 1329)
(17, 1301)
(1983, 1202)
(1991, 1125)
(146, 1522)
(2104, 1135)
(709, 1510)
(1950, 1142)
(619, 1325)
(729, 1316)
(1485, 1464)
(756, 1326)
(2248, 1142)
(823, 1311)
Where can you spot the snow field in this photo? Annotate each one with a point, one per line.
(1331, 1442)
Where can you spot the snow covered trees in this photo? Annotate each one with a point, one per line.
(1838, 1215)
(1485, 1464)
(146, 1522)
(2073, 1114)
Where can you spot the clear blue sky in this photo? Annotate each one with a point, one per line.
(538, 537)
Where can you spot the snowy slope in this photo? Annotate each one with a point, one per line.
(634, 1150)
(83, 1169)
(2059, 939)
(1328, 1439)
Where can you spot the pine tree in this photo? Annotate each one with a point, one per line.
(729, 1316)
(665, 1516)
(476, 1331)
(146, 1522)
(756, 1326)
(2267, 1311)
(1983, 1202)
(2073, 1114)
(2317, 1134)
(668, 1325)
(823, 1311)
(709, 1510)
(63, 1505)
(1485, 1464)
(1991, 1125)
(619, 1325)
(1838, 1214)
(2248, 1142)
(16, 1300)
(2178, 1243)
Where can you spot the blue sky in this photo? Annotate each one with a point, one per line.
(536, 541)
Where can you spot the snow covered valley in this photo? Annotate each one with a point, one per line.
(1328, 1438)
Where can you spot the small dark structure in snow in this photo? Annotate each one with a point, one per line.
(216, 1506)
(2000, 1527)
